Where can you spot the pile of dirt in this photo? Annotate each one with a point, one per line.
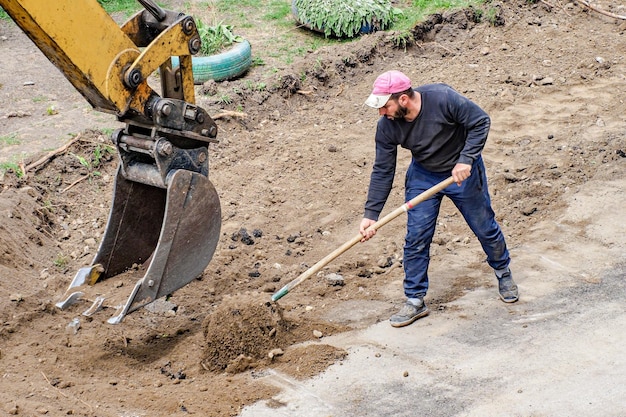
(241, 330)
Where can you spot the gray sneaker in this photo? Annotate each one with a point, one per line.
(408, 314)
(507, 288)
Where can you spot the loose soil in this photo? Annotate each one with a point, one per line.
(292, 176)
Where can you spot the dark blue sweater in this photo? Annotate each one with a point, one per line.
(449, 129)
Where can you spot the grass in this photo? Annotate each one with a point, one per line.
(10, 139)
(11, 167)
(417, 10)
(127, 7)
(61, 261)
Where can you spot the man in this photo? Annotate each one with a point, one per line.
(445, 133)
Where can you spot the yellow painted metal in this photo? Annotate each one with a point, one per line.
(83, 41)
(172, 42)
(186, 67)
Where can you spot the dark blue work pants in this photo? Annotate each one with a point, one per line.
(473, 201)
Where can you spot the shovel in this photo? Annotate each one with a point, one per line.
(356, 239)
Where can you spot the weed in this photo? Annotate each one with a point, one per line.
(478, 13)
(94, 161)
(10, 139)
(492, 16)
(12, 167)
(224, 99)
(51, 110)
(61, 261)
(215, 38)
(100, 152)
(402, 39)
(257, 61)
(82, 160)
(258, 86)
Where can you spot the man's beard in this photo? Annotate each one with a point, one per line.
(400, 113)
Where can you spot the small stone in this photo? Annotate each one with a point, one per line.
(73, 327)
(385, 262)
(405, 374)
(546, 81)
(317, 334)
(275, 352)
(335, 279)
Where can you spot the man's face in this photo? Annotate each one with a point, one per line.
(393, 110)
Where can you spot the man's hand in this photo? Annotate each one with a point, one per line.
(365, 223)
(461, 172)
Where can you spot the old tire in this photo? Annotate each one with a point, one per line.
(223, 66)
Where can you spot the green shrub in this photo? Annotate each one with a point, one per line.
(345, 18)
(215, 38)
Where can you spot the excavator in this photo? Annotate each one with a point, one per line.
(165, 218)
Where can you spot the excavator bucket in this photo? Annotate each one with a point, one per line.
(165, 219)
(169, 235)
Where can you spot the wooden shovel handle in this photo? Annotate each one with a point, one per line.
(356, 239)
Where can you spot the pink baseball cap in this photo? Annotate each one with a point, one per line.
(386, 84)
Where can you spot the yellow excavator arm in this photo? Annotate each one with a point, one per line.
(166, 213)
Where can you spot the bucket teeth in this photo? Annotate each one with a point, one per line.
(95, 306)
(86, 276)
(69, 300)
